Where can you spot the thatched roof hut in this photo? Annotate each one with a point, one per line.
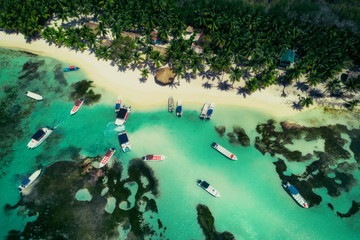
(190, 30)
(132, 35)
(164, 76)
(106, 42)
(93, 26)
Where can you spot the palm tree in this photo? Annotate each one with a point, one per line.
(352, 85)
(236, 74)
(305, 101)
(333, 85)
(351, 104)
(145, 73)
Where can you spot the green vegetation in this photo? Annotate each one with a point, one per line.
(237, 37)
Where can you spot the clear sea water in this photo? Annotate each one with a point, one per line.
(253, 204)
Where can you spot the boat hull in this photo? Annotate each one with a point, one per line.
(76, 107)
(120, 120)
(294, 193)
(107, 157)
(171, 104)
(210, 111)
(208, 188)
(30, 179)
(224, 151)
(34, 143)
(35, 96)
(118, 104)
(153, 158)
(179, 109)
(204, 110)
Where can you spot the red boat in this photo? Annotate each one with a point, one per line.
(77, 106)
(107, 157)
(151, 157)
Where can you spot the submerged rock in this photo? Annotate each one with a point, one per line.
(207, 224)
(220, 130)
(355, 207)
(242, 137)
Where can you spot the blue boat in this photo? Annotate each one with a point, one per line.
(294, 193)
(124, 141)
(179, 108)
(71, 68)
(210, 111)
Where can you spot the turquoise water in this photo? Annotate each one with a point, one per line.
(253, 204)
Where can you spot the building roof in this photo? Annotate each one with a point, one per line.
(289, 56)
(93, 26)
(189, 29)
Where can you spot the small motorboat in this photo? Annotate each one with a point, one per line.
(204, 110)
(71, 68)
(124, 141)
(179, 108)
(77, 106)
(210, 111)
(171, 104)
(39, 137)
(35, 96)
(122, 115)
(118, 104)
(153, 158)
(107, 157)
(28, 181)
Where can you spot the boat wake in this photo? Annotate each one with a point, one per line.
(60, 123)
(112, 129)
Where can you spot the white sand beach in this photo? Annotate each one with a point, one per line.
(149, 94)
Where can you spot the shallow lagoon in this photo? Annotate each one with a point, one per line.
(253, 204)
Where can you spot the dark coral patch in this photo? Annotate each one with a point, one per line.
(207, 224)
(60, 214)
(355, 207)
(316, 174)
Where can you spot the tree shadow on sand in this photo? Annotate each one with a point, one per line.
(174, 84)
(207, 85)
(242, 91)
(189, 76)
(224, 85)
(297, 106)
(302, 86)
(142, 80)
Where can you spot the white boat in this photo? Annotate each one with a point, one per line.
(153, 158)
(294, 193)
(206, 186)
(124, 141)
(28, 181)
(223, 151)
(77, 106)
(39, 137)
(118, 104)
(107, 157)
(122, 115)
(210, 111)
(204, 110)
(34, 96)
(171, 104)
(179, 108)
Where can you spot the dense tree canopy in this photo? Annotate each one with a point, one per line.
(236, 36)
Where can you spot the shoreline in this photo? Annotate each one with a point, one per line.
(149, 94)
